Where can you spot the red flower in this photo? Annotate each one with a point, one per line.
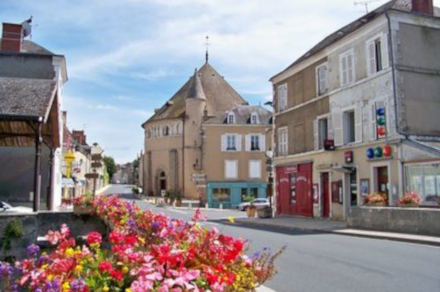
(94, 237)
(117, 275)
(130, 239)
(116, 237)
(105, 266)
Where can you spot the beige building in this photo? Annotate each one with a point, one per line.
(173, 135)
(359, 113)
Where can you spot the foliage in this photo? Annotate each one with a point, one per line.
(148, 252)
(411, 198)
(135, 190)
(13, 230)
(110, 165)
(375, 199)
(83, 201)
(248, 198)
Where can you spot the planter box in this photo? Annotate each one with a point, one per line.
(251, 212)
(409, 205)
(379, 204)
(81, 210)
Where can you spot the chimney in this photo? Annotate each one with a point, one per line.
(423, 6)
(12, 37)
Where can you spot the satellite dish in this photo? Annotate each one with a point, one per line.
(27, 28)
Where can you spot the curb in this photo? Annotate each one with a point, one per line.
(361, 233)
(264, 289)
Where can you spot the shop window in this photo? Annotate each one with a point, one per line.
(253, 192)
(243, 194)
(353, 187)
(221, 194)
(425, 180)
(292, 181)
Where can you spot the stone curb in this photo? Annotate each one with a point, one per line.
(435, 241)
(264, 289)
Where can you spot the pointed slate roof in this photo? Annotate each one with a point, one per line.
(207, 83)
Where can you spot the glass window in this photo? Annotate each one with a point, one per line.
(253, 192)
(221, 194)
(425, 180)
(254, 119)
(231, 143)
(255, 142)
(322, 132)
(231, 118)
(349, 127)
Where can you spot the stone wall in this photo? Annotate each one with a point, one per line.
(423, 221)
(35, 225)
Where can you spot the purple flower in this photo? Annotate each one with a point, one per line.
(155, 226)
(32, 249)
(78, 285)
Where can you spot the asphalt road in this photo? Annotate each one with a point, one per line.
(329, 262)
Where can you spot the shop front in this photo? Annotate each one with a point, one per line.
(294, 189)
(231, 194)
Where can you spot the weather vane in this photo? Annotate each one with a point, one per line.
(207, 46)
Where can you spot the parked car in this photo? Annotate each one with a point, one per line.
(258, 202)
(5, 207)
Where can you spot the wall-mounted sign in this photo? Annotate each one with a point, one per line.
(291, 169)
(199, 178)
(380, 152)
(348, 155)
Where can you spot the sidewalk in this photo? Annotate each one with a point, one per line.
(329, 226)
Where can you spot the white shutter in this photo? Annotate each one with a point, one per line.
(238, 142)
(373, 129)
(224, 142)
(255, 169)
(337, 122)
(343, 70)
(330, 133)
(231, 169)
(315, 134)
(350, 68)
(358, 124)
(247, 142)
(371, 57)
(262, 142)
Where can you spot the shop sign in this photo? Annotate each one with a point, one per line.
(291, 169)
(199, 178)
(348, 155)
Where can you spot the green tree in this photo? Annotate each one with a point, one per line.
(110, 165)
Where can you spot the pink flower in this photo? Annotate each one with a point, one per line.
(94, 237)
(105, 266)
(198, 216)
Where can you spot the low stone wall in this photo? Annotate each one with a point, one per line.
(38, 224)
(424, 221)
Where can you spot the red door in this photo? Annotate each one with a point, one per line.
(382, 180)
(294, 187)
(325, 197)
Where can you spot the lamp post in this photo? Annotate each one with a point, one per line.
(269, 169)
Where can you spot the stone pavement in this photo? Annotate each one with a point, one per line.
(330, 226)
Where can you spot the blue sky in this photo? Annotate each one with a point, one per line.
(127, 57)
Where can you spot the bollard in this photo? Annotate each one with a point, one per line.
(206, 206)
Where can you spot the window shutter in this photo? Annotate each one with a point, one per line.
(262, 142)
(350, 68)
(358, 124)
(343, 70)
(384, 44)
(371, 58)
(248, 143)
(373, 134)
(330, 127)
(238, 142)
(337, 122)
(315, 134)
(223, 142)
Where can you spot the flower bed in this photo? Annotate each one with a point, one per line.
(375, 199)
(410, 199)
(146, 252)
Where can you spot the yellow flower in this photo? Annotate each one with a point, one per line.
(49, 277)
(44, 266)
(66, 286)
(141, 240)
(78, 269)
(128, 290)
(105, 289)
(69, 252)
(231, 219)
(125, 269)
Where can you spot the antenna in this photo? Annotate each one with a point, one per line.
(207, 46)
(365, 3)
(27, 28)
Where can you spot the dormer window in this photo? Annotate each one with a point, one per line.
(230, 118)
(254, 119)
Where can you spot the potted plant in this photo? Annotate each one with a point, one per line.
(375, 199)
(250, 211)
(410, 199)
(82, 204)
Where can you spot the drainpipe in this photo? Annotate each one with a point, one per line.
(37, 167)
(183, 154)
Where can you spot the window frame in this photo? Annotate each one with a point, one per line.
(254, 115)
(318, 92)
(233, 139)
(230, 118)
(344, 124)
(383, 53)
(320, 118)
(283, 145)
(343, 55)
(257, 136)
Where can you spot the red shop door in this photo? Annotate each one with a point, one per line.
(304, 198)
(283, 190)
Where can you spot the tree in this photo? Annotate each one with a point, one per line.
(110, 165)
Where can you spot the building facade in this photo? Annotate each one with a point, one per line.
(234, 156)
(358, 113)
